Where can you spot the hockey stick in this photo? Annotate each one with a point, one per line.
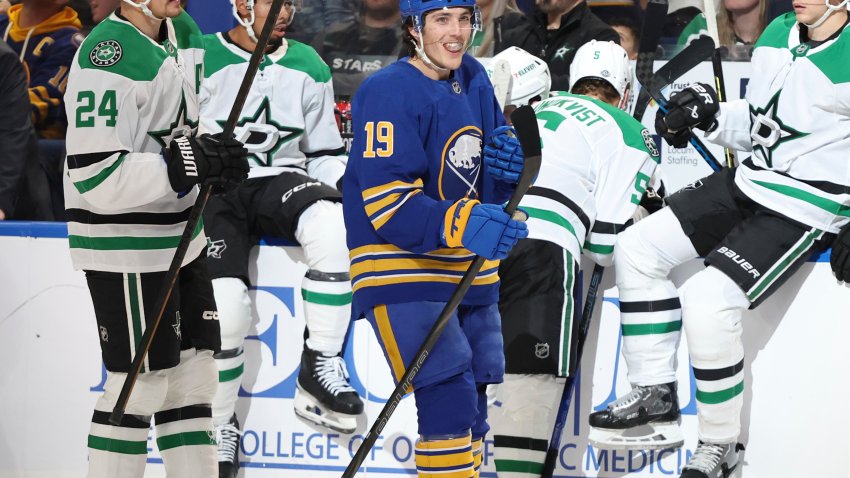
(502, 80)
(569, 385)
(695, 53)
(194, 216)
(653, 22)
(717, 66)
(525, 123)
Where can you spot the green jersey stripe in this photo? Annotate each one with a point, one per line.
(567, 314)
(802, 247)
(599, 248)
(554, 218)
(828, 205)
(94, 181)
(118, 243)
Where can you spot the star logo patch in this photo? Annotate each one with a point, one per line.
(181, 126)
(263, 136)
(768, 131)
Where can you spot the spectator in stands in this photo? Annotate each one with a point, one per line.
(313, 17)
(740, 22)
(4, 6)
(354, 50)
(101, 9)
(629, 36)
(553, 32)
(45, 34)
(18, 200)
(492, 15)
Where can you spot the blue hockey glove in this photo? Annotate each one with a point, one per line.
(484, 229)
(503, 155)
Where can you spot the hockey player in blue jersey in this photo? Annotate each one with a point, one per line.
(421, 200)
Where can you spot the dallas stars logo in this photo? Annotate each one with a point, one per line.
(106, 53)
(181, 126)
(176, 325)
(560, 52)
(262, 136)
(768, 131)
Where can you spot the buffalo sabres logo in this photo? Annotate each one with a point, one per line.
(461, 164)
(541, 351)
(263, 137)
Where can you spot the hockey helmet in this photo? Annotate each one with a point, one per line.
(416, 9)
(604, 60)
(529, 76)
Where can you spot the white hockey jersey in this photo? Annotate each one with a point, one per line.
(288, 120)
(597, 163)
(796, 122)
(127, 97)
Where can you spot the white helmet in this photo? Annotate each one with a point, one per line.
(529, 76)
(604, 60)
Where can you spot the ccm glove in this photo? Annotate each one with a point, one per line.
(694, 107)
(207, 160)
(485, 229)
(503, 156)
(839, 259)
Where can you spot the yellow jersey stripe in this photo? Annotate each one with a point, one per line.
(386, 215)
(385, 265)
(370, 193)
(385, 329)
(403, 279)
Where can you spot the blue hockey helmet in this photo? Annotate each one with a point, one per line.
(417, 8)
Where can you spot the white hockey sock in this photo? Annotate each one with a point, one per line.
(327, 308)
(522, 421)
(230, 372)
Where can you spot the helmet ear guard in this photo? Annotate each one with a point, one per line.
(291, 5)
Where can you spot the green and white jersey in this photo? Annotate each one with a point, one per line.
(796, 121)
(597, 163)
(127, 97)
(288, 120)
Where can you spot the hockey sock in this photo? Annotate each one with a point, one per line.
(327, 307)
(231, 366)
(184, 428)
(713, 306)
(477, 456)
(444, 458)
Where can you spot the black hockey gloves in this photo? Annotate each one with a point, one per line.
(694, 107)
(839, 259)
(206, 159)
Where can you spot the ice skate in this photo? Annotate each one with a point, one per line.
(647, 418)
(712, 461)
(227, 436)
(323, 395)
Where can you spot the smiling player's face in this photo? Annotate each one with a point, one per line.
(445, 35)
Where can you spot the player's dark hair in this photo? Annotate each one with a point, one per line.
(596, 87)
(408, 42)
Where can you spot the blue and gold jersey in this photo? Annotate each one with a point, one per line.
(417, 149)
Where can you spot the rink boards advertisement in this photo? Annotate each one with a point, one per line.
(797, 364)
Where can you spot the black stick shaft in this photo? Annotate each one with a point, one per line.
(191, 223)
(720, 87)
(525, 122)
(569, 386)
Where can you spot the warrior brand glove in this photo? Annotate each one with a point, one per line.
(694, 107)
(503, 156)
(485, 229)
(206, 159)
(839, 259)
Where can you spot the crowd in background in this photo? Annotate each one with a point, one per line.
(354, 37)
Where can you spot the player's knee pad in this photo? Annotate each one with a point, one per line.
(648, 250)
(234, 311)
(712, 308)
(321, 233)
(438, 457)
(482, 326)
(148, 395)
(193, 381)
(448, 407)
